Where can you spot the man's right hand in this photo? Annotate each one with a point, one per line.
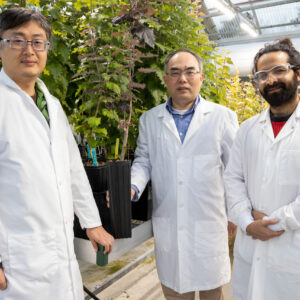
(3, 283)
(132, 193)
(259, 229)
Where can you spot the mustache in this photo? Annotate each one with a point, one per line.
(275, 85)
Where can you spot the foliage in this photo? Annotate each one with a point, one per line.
(109, 52)
(243, 98)
(106, 61)
(121, 51)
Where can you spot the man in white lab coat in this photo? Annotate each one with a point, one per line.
(183, 147)
(263, 186)
(42, 179)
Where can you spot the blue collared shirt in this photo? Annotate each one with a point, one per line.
(183, 120)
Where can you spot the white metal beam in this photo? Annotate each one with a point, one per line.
(261, 38)
(250, 6)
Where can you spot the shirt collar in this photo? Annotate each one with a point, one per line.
(38, 90)
(173, 112)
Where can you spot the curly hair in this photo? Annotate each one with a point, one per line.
(284, 45)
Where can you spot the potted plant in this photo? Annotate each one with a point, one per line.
(107, 91)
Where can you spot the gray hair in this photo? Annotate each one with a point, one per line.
(199, 59)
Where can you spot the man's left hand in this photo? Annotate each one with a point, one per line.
(101, 236)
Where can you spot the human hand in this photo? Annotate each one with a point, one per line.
(98, 235)
(132, 193)
(259, 229)
(3, 283)
(107, 199)
(257, 215)
(231, 227)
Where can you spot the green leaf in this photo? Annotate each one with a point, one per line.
(109, 114)
(113, 87)
(101, 132)
(94, 121)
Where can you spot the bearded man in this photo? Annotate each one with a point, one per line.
(263, 186)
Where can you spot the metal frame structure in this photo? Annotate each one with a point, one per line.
(270, 19)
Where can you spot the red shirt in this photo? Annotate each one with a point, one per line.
(277, 126)
(278, 123)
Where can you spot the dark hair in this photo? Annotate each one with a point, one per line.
(17, 16)
(199, 59)
(284, 45)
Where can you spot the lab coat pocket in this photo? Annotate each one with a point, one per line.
(162, 233)
(283, 252)
(34, 256)
(211, 239)
(289, 167)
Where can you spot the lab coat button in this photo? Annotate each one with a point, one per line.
(180, 205)
(180, 182)
(181, 228)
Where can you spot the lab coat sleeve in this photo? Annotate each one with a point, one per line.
(141, 167)
(84, 203)
(288, 216)
(230, 128)
(238, 203)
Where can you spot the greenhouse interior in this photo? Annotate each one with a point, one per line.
(145, 167)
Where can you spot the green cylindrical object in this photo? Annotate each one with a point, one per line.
(102, 259)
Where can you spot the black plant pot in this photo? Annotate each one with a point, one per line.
(114, 177)
(142, 209)
(120, 203)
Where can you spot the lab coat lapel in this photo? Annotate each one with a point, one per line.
(169, 122)
(202, 110)
(289, 126)
(266, 126)
(9, 82)
(52, 109)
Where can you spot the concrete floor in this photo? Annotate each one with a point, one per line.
(142, 283)
(132, 276)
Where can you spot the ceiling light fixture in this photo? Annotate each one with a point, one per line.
(249, 29)
(223, 8)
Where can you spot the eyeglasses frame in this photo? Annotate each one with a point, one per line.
(290, 67)
(9, 40)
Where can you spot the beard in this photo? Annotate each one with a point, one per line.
(284, 95)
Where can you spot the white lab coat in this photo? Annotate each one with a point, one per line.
(189, 215)
(42, 182)
(263, 174)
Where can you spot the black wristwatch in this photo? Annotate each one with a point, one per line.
(1, 267)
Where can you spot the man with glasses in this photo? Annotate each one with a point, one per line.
(42, 179)
(263, 186)
(183, 147)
